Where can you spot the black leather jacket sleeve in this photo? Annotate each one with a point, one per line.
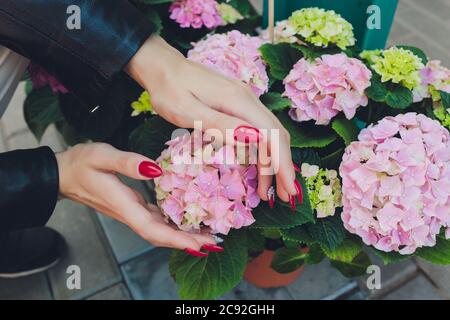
(29, 187)
(86, 61)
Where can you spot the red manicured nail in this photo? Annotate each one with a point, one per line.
(149, 169)
(299, 189)
(195, 253)
(247, 134)
(212, 248)
(292, 203)
(271, 196)
(297, 168)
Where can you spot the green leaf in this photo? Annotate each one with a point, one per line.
(305, 155)
(154, 17)
(255, 240)
(377, 90)
(445, 98)
(149, 138)
(211, 276)
(280, 58)
(418, 52)
(41, 108)
(298, 234)
(356, 268)
(306, 136)
(391, 257)
(399, 97)
(334, 159)
(328, 232)
(439, 254)
(346, 129)
(281, 216)
(287, 260)
(345, 252)
(315, 254)
(275, 102)
(69, 134)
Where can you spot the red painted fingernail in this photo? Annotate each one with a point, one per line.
(299, 189)
(247, 134)
(212, 248)
(292, 203)
(149, 169)
(271, 196)
(195, 253)
(297, 169)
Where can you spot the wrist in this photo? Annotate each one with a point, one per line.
(154, 61)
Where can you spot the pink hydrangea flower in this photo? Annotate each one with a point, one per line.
(319, 90)
(234, 55)
(41, 78)
(196, 13)
(434, 78)
(202, 186)
(396, 183)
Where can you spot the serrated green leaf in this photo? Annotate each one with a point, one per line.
(377, 90)
(149, 138)
(287, 260)
(445, 98)
(346, 129)
(280, 58)
(275, 102)
(345, 252)
(41, 108)
(315, 254)
(391, 257)
(212, 276)
(399, 97)
(304, 136)
(328, 232)
(356, 268)
(439, 254)
(418, 52)
(298, 234)
(281, 216)
(255, 240)
(305, 155)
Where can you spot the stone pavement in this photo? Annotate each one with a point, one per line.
(117, 264)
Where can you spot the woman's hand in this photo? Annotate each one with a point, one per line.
(183, 92)
(88, 175)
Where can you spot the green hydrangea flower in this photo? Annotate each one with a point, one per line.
(142, 105)
(324, 189)
(322, 28)
(398, 65)
(443, 115)
(229, 14)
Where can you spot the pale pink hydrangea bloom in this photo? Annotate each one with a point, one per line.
(41, 78)
(234, 55)
(202, 186)
(396, 183)
(319, 90)
(196, 13)
(435, 76)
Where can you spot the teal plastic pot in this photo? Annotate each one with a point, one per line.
(354, 11)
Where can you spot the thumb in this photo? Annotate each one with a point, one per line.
(130, 164)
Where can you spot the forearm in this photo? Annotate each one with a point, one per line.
(29, 186)
(84, 60)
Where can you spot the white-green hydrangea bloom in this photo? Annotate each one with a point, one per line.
(398, 65)
(324, 189)
(228, 13)
(443, 115)
(322, 28)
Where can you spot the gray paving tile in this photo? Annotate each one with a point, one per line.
(317, 282)
(117, 292)
(34, 287)
(247, 291)
(13, 119)
(124, 242)
(148, 278)
(440, 275)
(398, 33)
(417, 289)
(439, 8)
(392, 276)
(87, 248)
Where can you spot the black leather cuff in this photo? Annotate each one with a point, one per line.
(29, 184)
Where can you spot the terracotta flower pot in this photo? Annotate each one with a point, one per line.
(260, 273)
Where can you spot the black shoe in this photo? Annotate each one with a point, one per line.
(29, 251)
